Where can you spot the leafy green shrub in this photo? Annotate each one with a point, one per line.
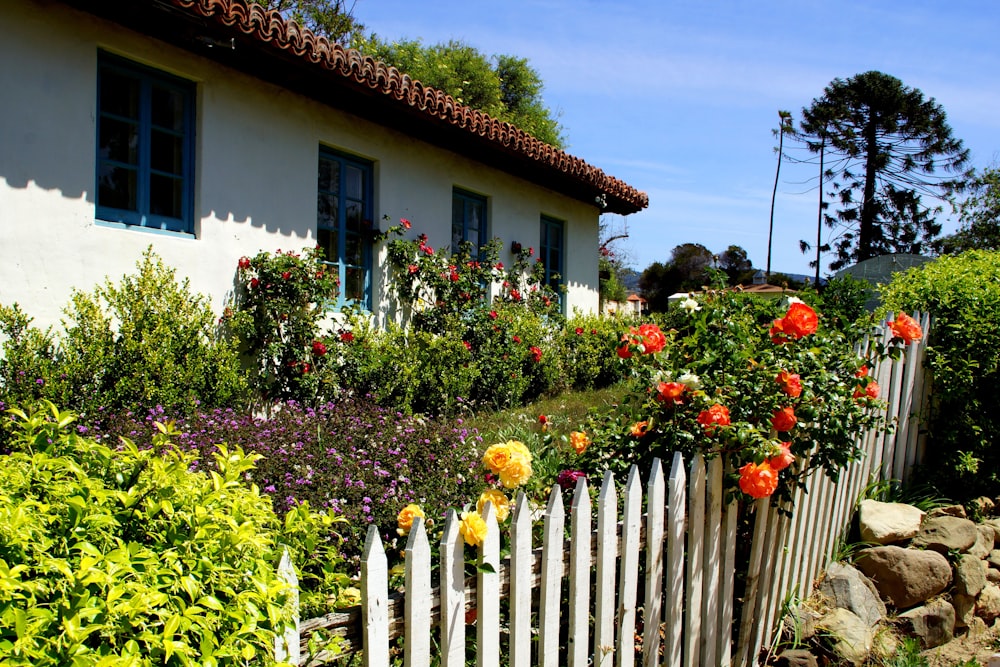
(587, 349)
(141, 342)
(962, 294)
(845, 302)
(278, 306)
(127, 557)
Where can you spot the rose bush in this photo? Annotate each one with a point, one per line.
(761, 383)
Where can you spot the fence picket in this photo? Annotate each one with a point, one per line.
(417, 608)
(579, 576)
(696, 561)
(629, 573)
(607, 557)
(374, 601)
(452, 591)
(713, 550)
(550, 607)
(287, 646)
(676, 516)
(655, 504)
(488, 593)
(521, 563)
(724, 648)
(745, 649)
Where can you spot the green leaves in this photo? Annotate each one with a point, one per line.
(127, 557)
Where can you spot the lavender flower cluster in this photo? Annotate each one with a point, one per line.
(352, 457)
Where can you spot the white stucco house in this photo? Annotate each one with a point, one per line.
(211, 129)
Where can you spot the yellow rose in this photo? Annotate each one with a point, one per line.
(518, 448)
(472, 528)
(579, 441)
(501, 505)
(517, 472)
(404, 520)
(497, 457)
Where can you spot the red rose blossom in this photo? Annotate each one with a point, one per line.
(784, 419)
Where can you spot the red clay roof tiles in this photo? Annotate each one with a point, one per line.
(553, 167)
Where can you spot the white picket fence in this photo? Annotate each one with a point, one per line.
(678, 609)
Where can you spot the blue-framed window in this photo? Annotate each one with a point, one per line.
(468, 219)
(343, 223)
(552, 253)
(145, 146)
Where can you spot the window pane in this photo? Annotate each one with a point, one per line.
(353, 215)
(329, 176)
(354, 283)
(327, 211)
(354, 180)
(117, 188)
(165, 195)
(168, 108)
(119, 141)
(326, 239)
(119, 93)
(353, 250)
(166, 153)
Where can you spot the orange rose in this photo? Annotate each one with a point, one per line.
(715, 416)
(870, 390)
(653, 339)
(906, 328)
(639, 429)
(790, 383)
(671, 393)
(799, 321)
(784, 419)
(579, 441)
(784, 459)
(758, 481)
(404, 520)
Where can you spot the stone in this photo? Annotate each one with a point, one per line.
(852, 638)
(984, 505)
(995, 525)
(984, 542)
(905, 577)
(993, 575)
(797, 657)
(965, 609)
(933, 624)
(949, 510)
(847, 588)
(994, 558)
(969, 576)
(946, 533)
(888, 523)
(988, 603)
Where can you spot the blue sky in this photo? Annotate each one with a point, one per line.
(678, 98)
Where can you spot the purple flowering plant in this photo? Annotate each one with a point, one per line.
(352, 458)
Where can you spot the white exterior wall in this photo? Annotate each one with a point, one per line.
(256, 156)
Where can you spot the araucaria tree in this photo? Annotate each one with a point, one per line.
(888, 149)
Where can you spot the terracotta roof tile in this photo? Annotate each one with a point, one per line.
(286, 38)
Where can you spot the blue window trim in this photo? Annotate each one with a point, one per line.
(551, 239)
(466, 199)
(142, 217)
(366, 214)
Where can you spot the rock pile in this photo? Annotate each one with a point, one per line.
(938, 572)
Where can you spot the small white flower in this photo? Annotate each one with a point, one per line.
(690, 380)
(794, 299)
(690, 305)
